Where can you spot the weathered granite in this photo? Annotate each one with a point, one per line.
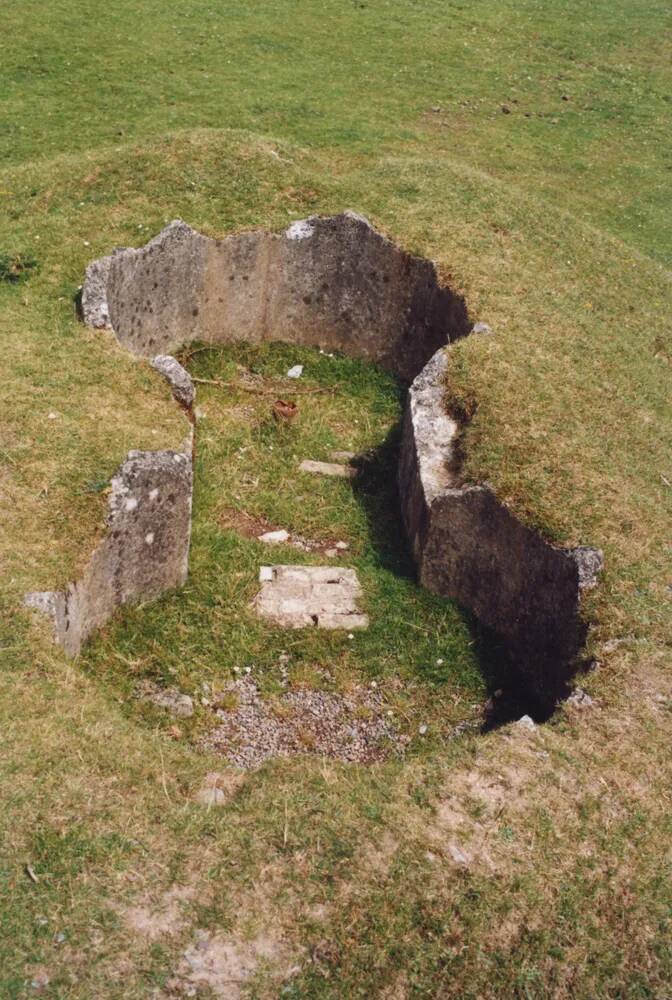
(469, 547)
(177, 377)
(333, 283)
(144, 552)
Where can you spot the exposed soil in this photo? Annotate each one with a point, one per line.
(248, 526)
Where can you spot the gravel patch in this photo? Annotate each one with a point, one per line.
(352, 727)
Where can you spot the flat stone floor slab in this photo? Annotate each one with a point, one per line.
(310, 596)
(328, 469)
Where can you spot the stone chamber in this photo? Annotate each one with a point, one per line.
(337, 284)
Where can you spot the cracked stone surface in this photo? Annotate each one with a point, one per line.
(328, 469)
(310, 596)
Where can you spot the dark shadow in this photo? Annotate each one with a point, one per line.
(375, 488)
(508, 695)
(77, 304)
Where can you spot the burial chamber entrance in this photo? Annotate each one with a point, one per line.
(335, 284)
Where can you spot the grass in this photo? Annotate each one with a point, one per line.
(417, 648)
(556, 229)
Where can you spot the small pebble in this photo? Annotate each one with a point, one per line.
(423, 729)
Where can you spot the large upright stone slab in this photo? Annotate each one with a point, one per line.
(144, 552)
(333, 283)
(469, 547)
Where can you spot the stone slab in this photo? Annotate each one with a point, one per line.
(328, 282)
(144, 552)
(328, 469)
(310, 597)
(469, 547)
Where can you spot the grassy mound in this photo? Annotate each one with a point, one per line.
(506, 865)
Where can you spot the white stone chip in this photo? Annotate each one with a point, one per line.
(274, 537)
(295, 372)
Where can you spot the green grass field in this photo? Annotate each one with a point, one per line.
(524, 147)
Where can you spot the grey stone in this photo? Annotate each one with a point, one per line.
(180, 705)
(469, 547)
(48, 602)
(95, 311)
(589, 563)
(274, 537)
(328, 469)
(333, 283)
(580, 699)
(526, 724)
(310, 596)
(459, 856)
(482, 328)
(144, 552)
(177, 377)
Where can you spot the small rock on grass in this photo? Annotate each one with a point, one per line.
(482, 328)
(459, 856)
(177, 377)
(40, 978)
(579, 699)
(219, 787)
(181, 706)
(274, 537)
(526, 724)
(328, 469)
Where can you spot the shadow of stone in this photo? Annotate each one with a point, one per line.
(375, 488)
(508, 695)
